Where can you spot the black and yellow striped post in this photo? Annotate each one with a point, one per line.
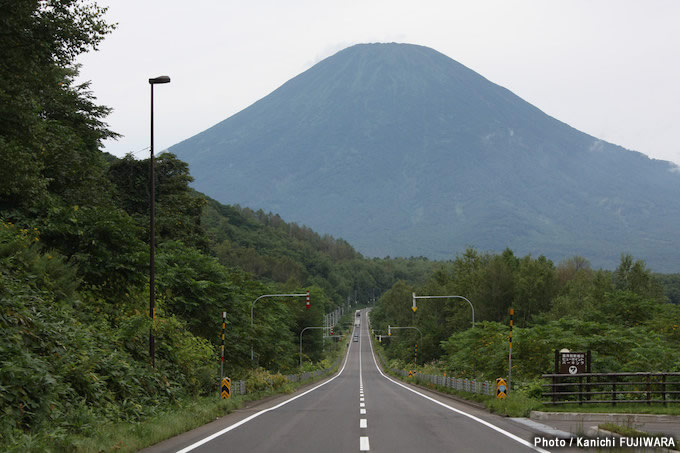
(224, 329)
(225, 392)
(415, 357)
(512, 312)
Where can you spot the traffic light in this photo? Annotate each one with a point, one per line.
(389, 330)
(307, 304)
(331, 330)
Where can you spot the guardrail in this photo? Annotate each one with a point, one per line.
(463, 385)
(613, 388)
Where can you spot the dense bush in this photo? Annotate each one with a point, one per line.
(63, 367)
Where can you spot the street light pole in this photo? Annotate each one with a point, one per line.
(444, 297)
(253, 305)
(152, 232)
(409, 327)
(303, 331)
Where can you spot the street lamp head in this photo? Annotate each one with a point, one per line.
(160, 79)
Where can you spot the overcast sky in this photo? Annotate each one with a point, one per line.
(610, 68)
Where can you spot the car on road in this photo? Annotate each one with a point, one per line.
(356, 338)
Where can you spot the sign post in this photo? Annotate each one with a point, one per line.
(224, 328)
(572, 363)
(512, 312)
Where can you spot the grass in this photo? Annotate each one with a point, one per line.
(515, 405)
(182, 417)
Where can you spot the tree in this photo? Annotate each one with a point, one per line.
(535, 287)
(178, 207)
(634, 276)
(51, 129)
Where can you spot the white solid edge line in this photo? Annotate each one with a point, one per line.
(246, 420)
(458, 411)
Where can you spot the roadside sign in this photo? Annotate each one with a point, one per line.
(572, 362)
(501, 388)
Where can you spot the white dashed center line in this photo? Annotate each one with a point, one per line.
(363, 423)
(363, 443)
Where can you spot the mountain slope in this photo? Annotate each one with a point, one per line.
(400, 150)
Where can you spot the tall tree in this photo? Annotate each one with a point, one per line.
(50, 127)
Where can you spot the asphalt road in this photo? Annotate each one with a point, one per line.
(358, 409)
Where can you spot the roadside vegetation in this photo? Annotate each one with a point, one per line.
(623, 316)
(187, 414)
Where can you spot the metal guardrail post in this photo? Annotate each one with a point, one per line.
(663, 389)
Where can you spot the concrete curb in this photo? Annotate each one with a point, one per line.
(602, 417)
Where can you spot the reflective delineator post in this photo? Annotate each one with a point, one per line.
(415, 357)
(225, 388)
(512, 312)
(224, 328)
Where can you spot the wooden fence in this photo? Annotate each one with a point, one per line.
(613, 388)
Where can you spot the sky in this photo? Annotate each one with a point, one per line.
(610, 68)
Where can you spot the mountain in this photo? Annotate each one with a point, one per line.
(402, 151)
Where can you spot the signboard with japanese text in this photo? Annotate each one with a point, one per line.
(572, 362)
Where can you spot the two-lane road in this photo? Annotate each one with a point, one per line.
(358, 409)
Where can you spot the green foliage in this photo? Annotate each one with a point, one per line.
(102, 242)
(482, 351)
(193, 286)
(62, 367)
(269, 248)
(178, 208)
(621, 316)
(671, 286)
(51, 128)
(614, 349)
